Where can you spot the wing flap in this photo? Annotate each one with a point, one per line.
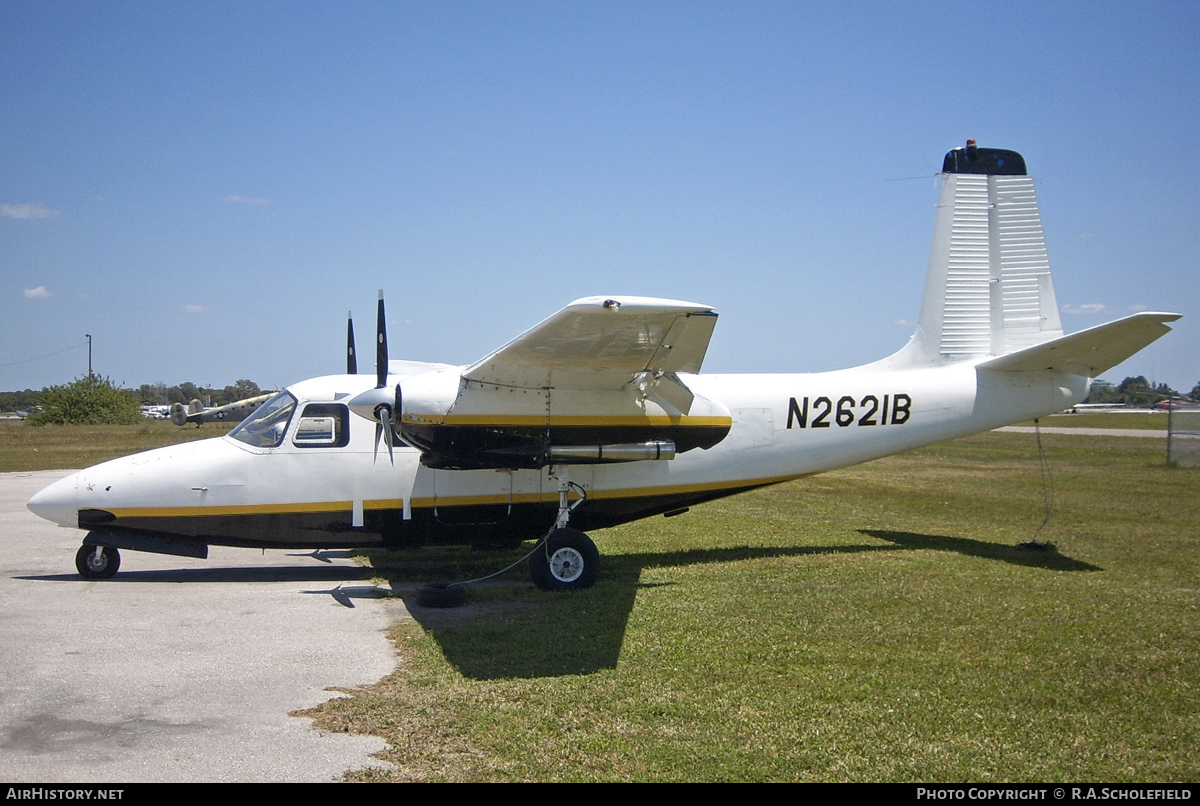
(1089, 352)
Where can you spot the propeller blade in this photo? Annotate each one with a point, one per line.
(383, 427)
(351, 358)
(387, 436)
(380, 404)
(381, 351)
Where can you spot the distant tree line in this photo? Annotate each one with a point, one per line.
(12, 401)
(1136, 392)
(92, 399)
(159, 394)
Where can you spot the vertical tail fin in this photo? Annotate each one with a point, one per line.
(988, 290)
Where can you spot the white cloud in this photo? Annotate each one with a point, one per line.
(246, 200)
(37, 293)
(1084, 309)
(33, 210)
(194, 309)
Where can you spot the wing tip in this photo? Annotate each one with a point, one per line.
(634, 303)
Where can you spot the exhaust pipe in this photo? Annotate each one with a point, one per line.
(619, 452)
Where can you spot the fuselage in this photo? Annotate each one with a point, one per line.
(313, 475)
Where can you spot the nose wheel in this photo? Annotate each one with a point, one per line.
(97, 562)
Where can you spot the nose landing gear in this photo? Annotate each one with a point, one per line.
(97, 562)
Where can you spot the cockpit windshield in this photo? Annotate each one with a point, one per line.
(265, 428)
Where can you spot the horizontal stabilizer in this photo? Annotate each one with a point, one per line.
(1089, 352)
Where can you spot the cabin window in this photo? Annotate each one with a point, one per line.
(323, 425)
(265, 428)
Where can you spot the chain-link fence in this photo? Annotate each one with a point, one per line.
(1183, 437)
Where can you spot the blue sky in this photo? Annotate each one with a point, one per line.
(207, 188)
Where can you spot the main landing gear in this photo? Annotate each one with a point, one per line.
(566, 559)
(97, 562)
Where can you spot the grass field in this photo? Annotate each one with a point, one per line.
(870, 624)
(1149, 420)
(53, 447)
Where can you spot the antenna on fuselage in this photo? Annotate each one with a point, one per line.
(351, 358)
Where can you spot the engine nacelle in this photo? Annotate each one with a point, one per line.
(492, 426)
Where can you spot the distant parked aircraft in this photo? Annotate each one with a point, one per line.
(196, 413)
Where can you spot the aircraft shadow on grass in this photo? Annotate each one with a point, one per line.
(1047, 558)
(584, 630)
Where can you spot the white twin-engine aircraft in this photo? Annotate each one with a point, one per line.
(599, 415)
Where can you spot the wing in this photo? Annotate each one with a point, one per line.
(1088, 352)
(601, 343)
(601, 374)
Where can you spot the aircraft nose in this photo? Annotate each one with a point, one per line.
(57, 502)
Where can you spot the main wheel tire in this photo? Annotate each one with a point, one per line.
(92, 567)
(567, 560)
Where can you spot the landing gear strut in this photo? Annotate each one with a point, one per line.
(566, 559)
(97, 562)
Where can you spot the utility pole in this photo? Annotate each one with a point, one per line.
(89, 338)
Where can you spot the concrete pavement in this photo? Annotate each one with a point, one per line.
(1087, 432)
(177, 669)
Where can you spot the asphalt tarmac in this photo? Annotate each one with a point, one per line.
(177, 669)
